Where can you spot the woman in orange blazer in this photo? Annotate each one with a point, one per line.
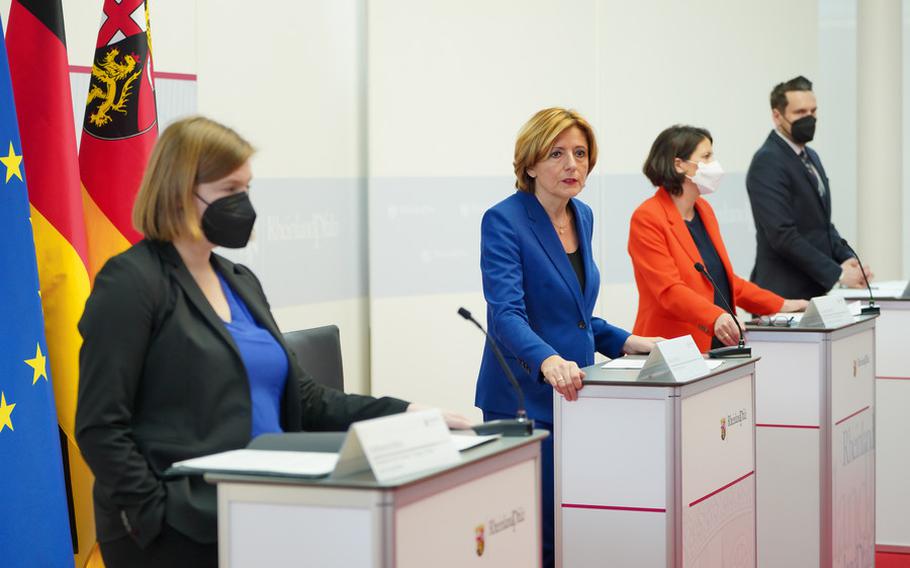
(676, 229)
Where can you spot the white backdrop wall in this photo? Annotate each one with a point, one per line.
(446, 99)
(385, 128)
(291, 79)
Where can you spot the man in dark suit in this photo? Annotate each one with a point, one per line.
(799, 251)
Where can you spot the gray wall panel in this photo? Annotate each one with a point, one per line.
(309, 240)
(425, 232)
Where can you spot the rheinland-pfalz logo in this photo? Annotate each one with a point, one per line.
(860, 363)
(731, 420)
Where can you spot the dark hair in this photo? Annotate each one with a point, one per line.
(678, 141)
(779, 92)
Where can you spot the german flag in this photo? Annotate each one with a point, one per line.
(119, 129)
(40, 75)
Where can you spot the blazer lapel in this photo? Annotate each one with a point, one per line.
(247, 289)
(546, 234)
(797, 162)
(196, 297)
(826, 200)
(678, 226)
(585, 246)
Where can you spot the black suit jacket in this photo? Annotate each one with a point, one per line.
(161, 380)
(798, 251)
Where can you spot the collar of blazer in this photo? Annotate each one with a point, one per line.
(546, 234)
(678, 225)
(682, 234)
(797, 162)
(241, 282)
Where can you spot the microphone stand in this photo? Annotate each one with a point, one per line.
(871, 309)
(521, 425)
(731, 351)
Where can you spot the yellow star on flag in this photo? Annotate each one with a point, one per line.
(12, 163)
(39, 364)
(6, 410)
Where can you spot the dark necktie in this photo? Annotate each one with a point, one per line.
(812, 177)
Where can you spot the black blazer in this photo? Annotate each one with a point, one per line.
(798, 251)
(161, 380)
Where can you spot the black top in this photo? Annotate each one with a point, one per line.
(712, 263)
(578, 264)
(162, 380)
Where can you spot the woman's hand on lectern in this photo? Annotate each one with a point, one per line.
(638, 345)
(563, 375)
(453, 420)
(726, 330)
(794, 306)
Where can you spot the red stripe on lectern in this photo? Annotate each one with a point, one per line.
(156, 74)
(894, 378)
(803, 426)
(612, 508)
(892, 549)
(865, 408)
(727, 486)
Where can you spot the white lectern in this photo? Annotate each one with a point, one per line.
(814, 414)
(483, 511)
(892, 415)
(657, 473)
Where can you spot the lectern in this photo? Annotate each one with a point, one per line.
(656, 472)
(482, 511)
(815, 416)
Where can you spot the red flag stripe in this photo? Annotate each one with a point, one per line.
(114, 192)
(43, 140)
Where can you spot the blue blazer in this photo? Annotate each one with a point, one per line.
(535, 305)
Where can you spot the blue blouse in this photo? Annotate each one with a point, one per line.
(265, 361)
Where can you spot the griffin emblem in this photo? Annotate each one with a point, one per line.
(109, 73)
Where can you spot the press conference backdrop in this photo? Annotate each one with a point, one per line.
(381, 142)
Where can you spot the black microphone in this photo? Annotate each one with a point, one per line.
(734, 350)
(521, 425)
(871, 309)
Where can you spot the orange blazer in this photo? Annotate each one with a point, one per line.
(673, 298)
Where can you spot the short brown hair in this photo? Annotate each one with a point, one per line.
(779, 92)
(189, 152)
(537, 136)
(678, 141)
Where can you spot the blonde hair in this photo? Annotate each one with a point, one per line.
(536, 138)
(189, 152)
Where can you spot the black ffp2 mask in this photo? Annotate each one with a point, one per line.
(228, 221)
(803, 130)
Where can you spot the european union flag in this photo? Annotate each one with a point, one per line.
(34, 520)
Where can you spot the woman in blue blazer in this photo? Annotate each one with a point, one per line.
(540, 283)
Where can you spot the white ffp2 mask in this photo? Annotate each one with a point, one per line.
(707, 177)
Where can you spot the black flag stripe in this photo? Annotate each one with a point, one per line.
(48, 13)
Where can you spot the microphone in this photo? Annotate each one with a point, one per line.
(871, 309)
(521, 425)
(734, 350)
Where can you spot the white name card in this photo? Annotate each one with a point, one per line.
(394, 446)
(678, 357)
(826, 311)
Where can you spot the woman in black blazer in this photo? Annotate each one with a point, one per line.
(182, 357)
